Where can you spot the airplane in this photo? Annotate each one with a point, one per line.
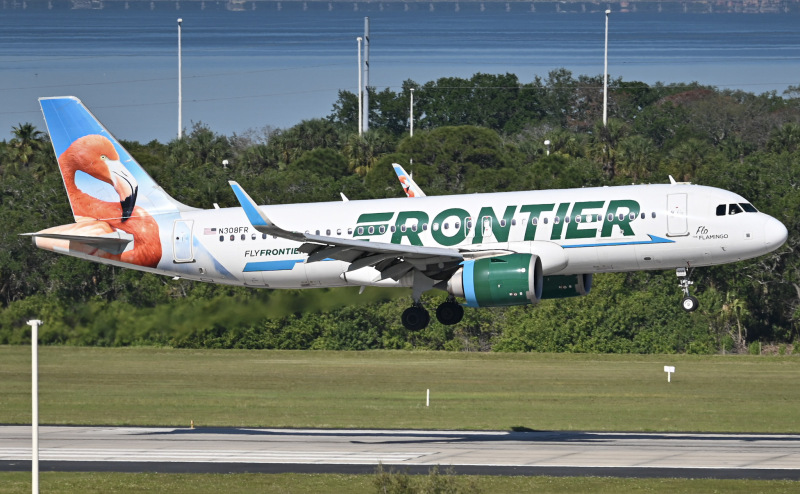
(493, 249)
(410, 187)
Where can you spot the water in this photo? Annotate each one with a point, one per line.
(277, 67)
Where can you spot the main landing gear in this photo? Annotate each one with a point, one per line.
(689, 303)
(416, 317)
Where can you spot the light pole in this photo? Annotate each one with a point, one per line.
(605, 76)
(411, 113)
(360, 96)
(180, 81)
(34, 324)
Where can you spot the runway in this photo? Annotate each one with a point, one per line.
(166, 449)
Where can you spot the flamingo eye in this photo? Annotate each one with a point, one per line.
(103, 157)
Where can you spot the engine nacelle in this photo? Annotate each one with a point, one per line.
(515, 279)
(564, 286)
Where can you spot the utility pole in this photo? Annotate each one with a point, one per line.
(366, 74)
(180, 82)
(360, 89)
(411, 113)
(605, 76)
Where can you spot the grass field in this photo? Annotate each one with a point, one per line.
(84, 483)
(147, 386)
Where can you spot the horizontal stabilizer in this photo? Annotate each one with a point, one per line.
(113, 243)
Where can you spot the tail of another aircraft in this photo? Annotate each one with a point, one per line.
(409, 186)
(102, 179)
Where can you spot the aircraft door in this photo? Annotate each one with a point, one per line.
(677, 219)
(486, 225)
(182, 249)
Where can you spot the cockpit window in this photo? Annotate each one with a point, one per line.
(731, 209)
(748, 208)
(734, 209)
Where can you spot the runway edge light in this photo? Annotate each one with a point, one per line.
(669, 369)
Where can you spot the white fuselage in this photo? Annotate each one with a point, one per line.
(573, 231)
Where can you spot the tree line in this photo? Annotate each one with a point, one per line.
(485, 133)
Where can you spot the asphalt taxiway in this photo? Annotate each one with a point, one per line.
(168, 449)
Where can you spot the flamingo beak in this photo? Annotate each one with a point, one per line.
(125, 185)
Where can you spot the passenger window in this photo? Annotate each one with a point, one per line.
(535, 221)
(610, 217)
(502, 223)
(253, 236)
(349, 231)
(382, 229)
(244, 236)
(233, 238)
(424, 227)
(653, 214)
(643, 216)
(360, 230)
(545, 221)
(457, 225)
(721, 209)
(734, 209)
(578, 219)
(393, 228)
(328, 233)
(414, 227)
(338, 231)
(317, 232)
(222, 238)
(371, 230)
(513, 222)
(402, 228)
(631, 216)
(446, 226)
(436, 227)
(263, 236)
(556, 220)
(621, 216)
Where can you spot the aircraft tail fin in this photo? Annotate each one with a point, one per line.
(102, 179)
(409, 186)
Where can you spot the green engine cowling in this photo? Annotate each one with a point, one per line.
(515, 279)
(575, 285)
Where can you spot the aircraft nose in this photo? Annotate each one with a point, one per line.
(775, 234)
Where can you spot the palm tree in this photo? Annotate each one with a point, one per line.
(27, 141)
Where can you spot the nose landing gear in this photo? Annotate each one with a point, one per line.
(689, 303)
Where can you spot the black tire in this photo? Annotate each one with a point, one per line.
(415, 318)
(449, 313)
(689, 304)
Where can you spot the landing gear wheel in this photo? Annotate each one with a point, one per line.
(689, 304)
(449, 313)
(415, 318)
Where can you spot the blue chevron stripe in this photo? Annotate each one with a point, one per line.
(653, 240)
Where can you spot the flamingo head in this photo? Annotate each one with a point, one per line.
(96, 156)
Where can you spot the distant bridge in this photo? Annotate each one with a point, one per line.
(564, 6)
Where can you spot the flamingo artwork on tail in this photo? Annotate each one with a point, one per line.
(96, 156)
(105, 187)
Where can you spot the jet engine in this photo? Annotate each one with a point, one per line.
(514, 279)
(564, 286)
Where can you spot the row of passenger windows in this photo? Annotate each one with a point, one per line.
(243, 237)
(587, 218)
(742, 207)
(361, 230)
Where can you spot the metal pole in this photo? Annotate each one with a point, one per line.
(180, 82)
(34, 323)
(605, 76)
(360, 108)
(411, 113)
(366, 74)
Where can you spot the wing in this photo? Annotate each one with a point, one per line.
(391, 260)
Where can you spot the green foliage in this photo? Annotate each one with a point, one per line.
(485, 133)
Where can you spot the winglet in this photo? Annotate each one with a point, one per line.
(258, 218)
